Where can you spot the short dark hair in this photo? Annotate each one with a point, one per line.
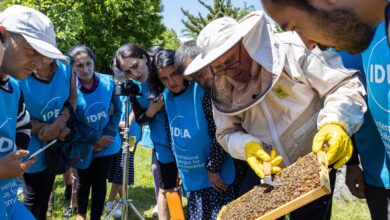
(153, 50)
(188, 49)
(79, 49)
(300, 4)
(164, 58)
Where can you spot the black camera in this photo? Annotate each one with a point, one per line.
(127, 88)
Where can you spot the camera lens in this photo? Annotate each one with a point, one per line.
(127, 88)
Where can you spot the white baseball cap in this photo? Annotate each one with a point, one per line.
(35, 27)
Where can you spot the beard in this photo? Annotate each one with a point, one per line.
(345, 29)
(205, 78)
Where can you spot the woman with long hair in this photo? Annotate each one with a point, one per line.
(208, 180)
(131, 62)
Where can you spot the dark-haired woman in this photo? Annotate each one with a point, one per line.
(152, 51)
(206, 170)
(133, 62)
(98, 126)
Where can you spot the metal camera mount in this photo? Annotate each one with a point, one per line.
(128, 145)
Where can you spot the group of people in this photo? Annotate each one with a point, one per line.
(240, 95)
(49, 97)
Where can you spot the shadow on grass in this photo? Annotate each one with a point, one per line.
(143, 199)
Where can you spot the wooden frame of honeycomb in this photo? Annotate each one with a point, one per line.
(303, 182)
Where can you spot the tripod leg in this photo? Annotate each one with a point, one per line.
(136, 211)
(113, 210)
(128, 143)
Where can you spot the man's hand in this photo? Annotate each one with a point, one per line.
(217, 182)
(11, 166)
(49, 132)
(255, 156)
(339, 143)
(355, 181)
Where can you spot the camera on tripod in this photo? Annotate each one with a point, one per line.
(126, 88)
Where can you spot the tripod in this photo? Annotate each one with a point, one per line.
(127, 146)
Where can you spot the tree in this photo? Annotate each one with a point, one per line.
(168, 39)
(3, 4)
(111, 23)
(194, 24)
(104, 25)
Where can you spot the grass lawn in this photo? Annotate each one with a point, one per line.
(142, 194)
(345, 209)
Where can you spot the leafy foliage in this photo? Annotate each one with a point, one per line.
(3, 4)
(168, 39)
(194, 24)
(104, 25)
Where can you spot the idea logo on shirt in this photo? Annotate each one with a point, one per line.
(50, 115)
(6, 143)
(179, 132)
(176, 130)
(52, 109)
(96, 117)
(378, 75)
(94, 114)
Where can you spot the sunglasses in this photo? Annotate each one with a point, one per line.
(387, 20)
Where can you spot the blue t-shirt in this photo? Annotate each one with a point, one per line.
(376, 61)
(8, 119)
(191, 139)
(158, 126)
(93, 111)
(44, 101)
(368, 141)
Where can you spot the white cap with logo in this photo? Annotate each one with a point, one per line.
(35, 27)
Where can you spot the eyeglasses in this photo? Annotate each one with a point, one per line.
(387, 19)
(223, 70)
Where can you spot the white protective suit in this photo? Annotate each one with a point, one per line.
(307, 89)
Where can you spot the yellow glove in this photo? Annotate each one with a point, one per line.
(255, 155)
(339, 143)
